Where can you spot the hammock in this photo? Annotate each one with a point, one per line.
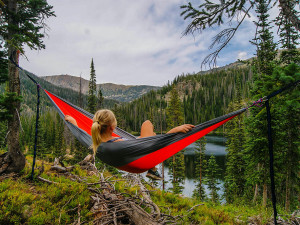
(133, 155)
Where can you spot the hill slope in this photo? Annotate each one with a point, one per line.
(119, 92)
(28, 93)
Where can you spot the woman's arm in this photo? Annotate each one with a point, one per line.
(71, 120)
(181, 129)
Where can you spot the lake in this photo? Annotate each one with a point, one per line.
(215, 145)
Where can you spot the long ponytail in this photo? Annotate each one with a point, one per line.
(103, 119)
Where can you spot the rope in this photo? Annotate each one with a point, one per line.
(37, 113)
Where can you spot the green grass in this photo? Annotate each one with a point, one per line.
(23, 201)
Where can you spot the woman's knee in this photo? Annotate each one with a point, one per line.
(147, 129)
(147, 123)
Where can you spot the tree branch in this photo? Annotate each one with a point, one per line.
(290, 13)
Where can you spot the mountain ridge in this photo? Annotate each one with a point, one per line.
(120, 92)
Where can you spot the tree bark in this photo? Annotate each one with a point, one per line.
(265, 192)
(255, 193)
(287, 193)
(289, 14)
(13, 160)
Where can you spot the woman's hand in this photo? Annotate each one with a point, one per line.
(71, 120)
(182, 129)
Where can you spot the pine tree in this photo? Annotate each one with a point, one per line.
(100, 99)
(235, 164)
(199, 192)
(22, 24)
(211, 179)
(92, 97)
(59, 145)
(289, 36)
(215, 13)
(80, 101)
(256, 154)
(288, 114)
(175, 118)
(4, 100)
(174, 110)
(287, 137)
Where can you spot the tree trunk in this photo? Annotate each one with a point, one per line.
(255, 193)
(13, 160)
(287, 194)
(173, 172)
(265, 192)
(200, 178)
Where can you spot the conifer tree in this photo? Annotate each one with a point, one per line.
(4, 100)
(59, 138)
(257, 156)
(235, 164)
(80, 101)
(287, 137)
(289, 36)
(21, 23)
(92, 97)
(100, 99)
(200, 161)
(175, 118)
(216, 13)
(288, 113)
(211, 178)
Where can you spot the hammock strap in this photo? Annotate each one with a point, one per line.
(37, 113)
(270, 142)
(271, 163)
(36, 128)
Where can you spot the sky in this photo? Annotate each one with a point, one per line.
(131, 42)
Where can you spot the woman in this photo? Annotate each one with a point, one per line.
(104, 123)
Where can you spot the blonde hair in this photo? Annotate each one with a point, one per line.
(103, 119)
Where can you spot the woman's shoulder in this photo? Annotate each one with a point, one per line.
(115, 140)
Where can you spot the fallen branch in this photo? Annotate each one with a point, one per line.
(194, 207)
(47, 181)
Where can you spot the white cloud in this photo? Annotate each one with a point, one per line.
(131, 42)
(242, 55)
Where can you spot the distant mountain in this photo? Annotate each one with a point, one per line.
(29, 91)
(122, 93)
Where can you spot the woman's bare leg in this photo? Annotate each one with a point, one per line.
(147, 129)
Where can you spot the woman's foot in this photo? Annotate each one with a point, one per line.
(154, 175)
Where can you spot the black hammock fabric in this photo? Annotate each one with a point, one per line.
(135, 155)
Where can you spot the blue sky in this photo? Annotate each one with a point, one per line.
(131, 42)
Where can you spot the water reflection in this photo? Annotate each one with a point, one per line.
(215, 146)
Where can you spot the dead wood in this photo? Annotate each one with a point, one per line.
(117, 207)
(145, 193)
(59, 166)
(47, 181)
(194, 207)
(111, 207)
(5, 176)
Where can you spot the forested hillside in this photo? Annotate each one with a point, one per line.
(204, 97)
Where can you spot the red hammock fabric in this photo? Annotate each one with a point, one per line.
(151, 160)
(85, 123)
(134, 155)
